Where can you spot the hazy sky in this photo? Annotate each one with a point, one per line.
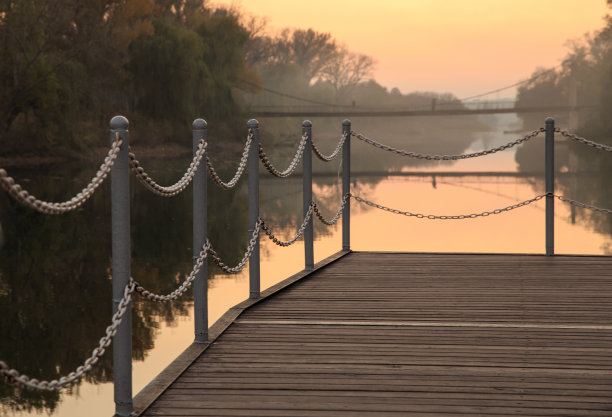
(461, 46)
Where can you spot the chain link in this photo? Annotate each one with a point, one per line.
(24, 197)
(336, 216)
(185, 285)
(296, 159)
(299, 233)
(13, 376)
(239, 171)
(453, 217)
(582, 205)
(232, 270)
(174, 189)
(584, 141)
(335, 153)
(447, 157)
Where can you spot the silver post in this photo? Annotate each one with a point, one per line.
(200, 284)
(254, 207)
(550, 186)
(346, 185)
(120, 219)
(307, 196)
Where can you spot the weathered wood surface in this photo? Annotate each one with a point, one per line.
(414, 334)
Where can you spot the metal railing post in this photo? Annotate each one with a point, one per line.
(307, 196)
(550, 186)
(346, 185)
(253, 166)
(120, 220)
(200, 284)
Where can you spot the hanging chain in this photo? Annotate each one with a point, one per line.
(185, 285)
(13, 376)
(232, 270)
(24, 197)
(335, 153)
(239, 171)
(582, 205)
(453, 217)
(447, 157)
(584, 141)
(299, 233)
(174, 189)
(338, 213)
(296, 159)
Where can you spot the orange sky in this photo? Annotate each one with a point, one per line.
(459, 46)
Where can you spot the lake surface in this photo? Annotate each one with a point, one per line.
(55, 288)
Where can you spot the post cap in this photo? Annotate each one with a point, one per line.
(346, 122)
(119, 122)
(550, 120)
(253, 123)
(307, 123)
(199, 124)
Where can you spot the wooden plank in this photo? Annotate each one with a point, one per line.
(396, 334)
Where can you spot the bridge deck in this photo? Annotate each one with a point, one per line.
(377, 334)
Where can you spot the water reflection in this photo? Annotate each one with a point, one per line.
(55, 289)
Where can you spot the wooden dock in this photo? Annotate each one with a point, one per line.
(376, 334)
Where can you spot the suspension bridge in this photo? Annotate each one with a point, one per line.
(359, 333)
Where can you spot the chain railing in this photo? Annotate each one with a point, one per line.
(334, 154)
(182, 288)
(334, 219)
(241, 166)
(298, 234)
(25, 198)
(448, 217)
(13, 376)
(170, 190)
(294, 162)
(432, 157)
(257, 224)
(232, 270)
(584, 141)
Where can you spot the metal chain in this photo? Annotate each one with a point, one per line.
(453, 217)
(239, 171)
(185, 285)
(447, 157)
(583, 205)
(13, 376)
(584, 141)
(299, 233)
(338, 213)
(24, 197)
(232, 270)
(335, 153)
(174, 189)
(296, 159)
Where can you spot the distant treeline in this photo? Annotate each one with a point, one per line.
(67, 66)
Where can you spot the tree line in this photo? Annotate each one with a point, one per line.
(67, 66)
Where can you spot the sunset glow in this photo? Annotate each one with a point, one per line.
(460, 46)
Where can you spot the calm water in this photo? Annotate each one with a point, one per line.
(55, 288)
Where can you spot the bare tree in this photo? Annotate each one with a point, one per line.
(347, 69)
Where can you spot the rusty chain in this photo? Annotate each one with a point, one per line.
(294, 162)
(232, 270)
(176, 188)
(25, 198)
(13, 376)
(335, 153)
(336, 216)
(584, 141)
(447, 157)
(451, 217)
(239, 171)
